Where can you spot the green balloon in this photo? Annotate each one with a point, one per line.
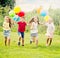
(11, 13)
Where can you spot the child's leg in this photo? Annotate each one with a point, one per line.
(50, 41)
(9, 41)
(47, 43)
(22, 35)
(47, 40)
(36, 41)
(5, 41)
(33, 39)
(19, 40)
(22, 42)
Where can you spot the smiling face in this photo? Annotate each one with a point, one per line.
(7, 19)
(35, 19)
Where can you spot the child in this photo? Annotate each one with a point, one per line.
(50, 31)
(7, 29)
(21, 30)
(34, 29)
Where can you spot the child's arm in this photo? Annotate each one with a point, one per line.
(32, 26)
(27, 23)
(3, 24)
(41, 23)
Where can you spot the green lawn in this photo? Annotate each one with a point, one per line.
(30, 51)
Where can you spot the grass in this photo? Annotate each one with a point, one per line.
(30, 51)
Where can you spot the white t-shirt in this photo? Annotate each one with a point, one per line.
(35, 28)
(50, 27)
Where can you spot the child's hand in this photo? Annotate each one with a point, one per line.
(41, 23)
(29, 24)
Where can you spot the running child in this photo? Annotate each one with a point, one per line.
(34, 22)
(50, 31)
(21, 29)
(7, 29)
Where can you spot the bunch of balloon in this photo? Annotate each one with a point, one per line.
(16, 13)
(45, 15)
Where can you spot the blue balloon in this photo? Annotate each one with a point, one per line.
(43, 13)
(16, 18)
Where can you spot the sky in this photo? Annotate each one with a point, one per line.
(29, 5)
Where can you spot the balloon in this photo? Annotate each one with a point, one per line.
(39, 10)
(11, 13)
(17, 9)
(16, 18)
(21, 14)
(43, 13)
(46, 18)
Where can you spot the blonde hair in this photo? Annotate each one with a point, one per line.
(50, 19)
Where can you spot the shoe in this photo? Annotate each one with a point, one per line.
(18, 43)
(22, 45)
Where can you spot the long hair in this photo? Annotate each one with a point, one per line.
(10, 24)
(32, 20)
(38, 20)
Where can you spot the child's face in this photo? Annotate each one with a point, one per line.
(35, 19)
(50, 21)
(7, 19)
(22, 19)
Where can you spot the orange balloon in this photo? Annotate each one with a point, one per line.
(39, 10)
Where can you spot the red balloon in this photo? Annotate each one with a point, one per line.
(21, 14)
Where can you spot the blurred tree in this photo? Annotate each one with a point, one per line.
(10, 3)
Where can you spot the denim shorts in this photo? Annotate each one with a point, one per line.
(6, 33)
(21, 34)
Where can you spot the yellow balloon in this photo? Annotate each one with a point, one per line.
(46, 18)
(17, 9)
